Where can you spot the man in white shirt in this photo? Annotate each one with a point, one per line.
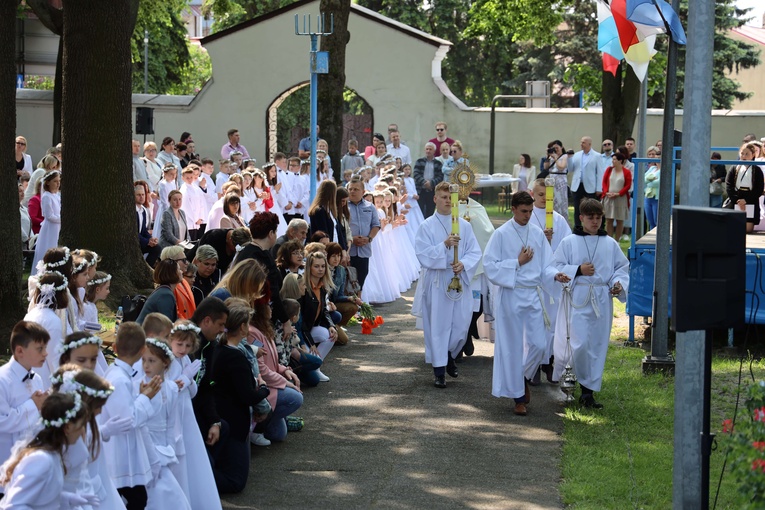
(399, 150)
(586, 168)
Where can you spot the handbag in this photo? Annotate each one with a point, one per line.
(352, 287)
(715, 188)
(132, 306)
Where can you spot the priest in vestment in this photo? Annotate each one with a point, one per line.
(445, 315)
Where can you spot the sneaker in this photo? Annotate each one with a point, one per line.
(322, 377)
(294, 424)
(259, 439)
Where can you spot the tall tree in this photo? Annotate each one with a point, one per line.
(97, 196)
(10, 255)
(332, 84)
(168, 45)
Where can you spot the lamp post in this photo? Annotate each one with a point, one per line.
(318, 64)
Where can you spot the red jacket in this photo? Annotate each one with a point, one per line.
(627, 183)
(35, 213)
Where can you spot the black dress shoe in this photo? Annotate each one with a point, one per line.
(527, 393)
(588, 400)
(439, 381)
(451, 368)
(469, 348)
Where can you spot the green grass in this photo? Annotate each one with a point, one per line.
(621, 456)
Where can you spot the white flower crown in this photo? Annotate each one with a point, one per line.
(68, 416)
(68, 384)
(46, 287)
(60, 262)
(186, 327)
(93, 259)
(80, 267)
(99, 281)
(162, 345)
(79, 343)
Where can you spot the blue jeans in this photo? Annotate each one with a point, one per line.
(287, 402)
(336, 316)
(651, 212)
(306, 369)
(715, 201)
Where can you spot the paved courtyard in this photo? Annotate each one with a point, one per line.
(379, 435)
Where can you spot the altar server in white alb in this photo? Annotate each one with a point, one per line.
(518, 259)
(445, 315)
(554, 235)
(599, 272)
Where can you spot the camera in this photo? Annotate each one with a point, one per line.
(551, 150)
(570, 152)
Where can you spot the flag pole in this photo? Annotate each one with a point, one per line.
(659, 359)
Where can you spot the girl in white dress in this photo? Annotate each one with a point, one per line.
(81, 459)
(51, 295)
(97, 290)
(78, 280)
(51, 210)
(394, 246)
(56, 259)
(163, 491)
(83, 351)
(405, 256)
(259, 184)
(193, 471)
(414, 217)
(34, 476)
(249, 202)
(166, 185)
(382, 283)
(278, 196)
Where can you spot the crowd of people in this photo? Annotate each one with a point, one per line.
(255, 283)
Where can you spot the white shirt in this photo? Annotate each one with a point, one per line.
(18, 412)
(402, 151)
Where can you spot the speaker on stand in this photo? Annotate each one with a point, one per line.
(144, 121)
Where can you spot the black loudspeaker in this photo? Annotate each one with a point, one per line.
(144, 121)
(708, 268)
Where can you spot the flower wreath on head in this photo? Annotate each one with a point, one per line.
(162, 345)
(79, 343)
(79, 268)
(99, 281)
(68, 416)
(93, 259)
(68, 384)
(186, 327)
(47, 286)
(42, 267)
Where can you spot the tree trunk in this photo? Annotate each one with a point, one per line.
(332, 85)
(97, 207)
(620, 103)
(10, 230)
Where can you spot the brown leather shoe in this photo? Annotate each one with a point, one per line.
(527, 392)
(520, 409)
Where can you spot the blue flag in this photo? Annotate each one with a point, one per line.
(646, 12)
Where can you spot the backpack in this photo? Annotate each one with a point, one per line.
(131, 307)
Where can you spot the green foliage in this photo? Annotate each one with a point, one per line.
(38, 82)
(745, 447)
(521, 20)
(195, 74)
(169, 55)
(227, 13)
